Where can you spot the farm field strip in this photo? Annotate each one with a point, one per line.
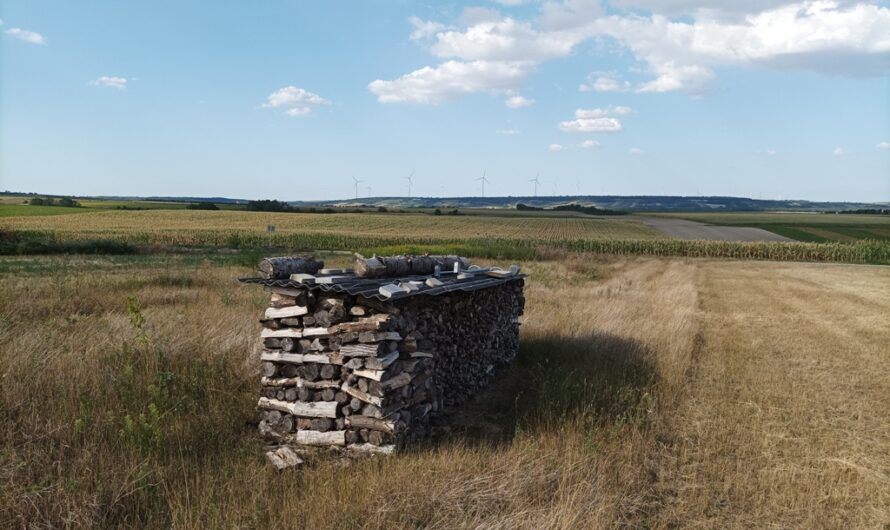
(198, 224)
(813, 227)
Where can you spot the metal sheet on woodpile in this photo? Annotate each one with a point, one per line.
(370, 287)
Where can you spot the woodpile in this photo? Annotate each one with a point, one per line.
(345, 364)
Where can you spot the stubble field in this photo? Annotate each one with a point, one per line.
(648, 393)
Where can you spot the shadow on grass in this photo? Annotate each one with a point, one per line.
(589, 382)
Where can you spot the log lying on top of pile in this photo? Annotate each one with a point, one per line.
(364, 362)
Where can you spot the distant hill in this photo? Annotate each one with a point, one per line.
(630, 203)
(640, 203)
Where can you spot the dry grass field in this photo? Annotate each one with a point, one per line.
(648, 392)
(188, 227)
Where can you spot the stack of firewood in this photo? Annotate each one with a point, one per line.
(357, 372)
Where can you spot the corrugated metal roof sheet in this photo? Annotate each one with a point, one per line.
(370, 287)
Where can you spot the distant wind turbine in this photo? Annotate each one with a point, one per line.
(484, 180)
(410, 179)
(537, 183)
(368, 188)
(356, 181)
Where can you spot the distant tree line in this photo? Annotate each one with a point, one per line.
(450, 212)
(64, 201)
(201, 206)
(867, 211)
(589, 210)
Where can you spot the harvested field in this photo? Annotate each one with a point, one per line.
(693, 230)
(654, 392)
(182, 227)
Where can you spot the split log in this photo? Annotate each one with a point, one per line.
(281, 333)
(296, 358)
(284, 312)
(362, 396)
(376, 438)
(370, 448)
(372, 323)
(381, 363)
(299, 382)
(320, 438)
(397, 382)
(315, 409)
(269, 369)
(378, 336)
(282, 267)
(283, 457)
(367, 422)
(361, 350)
(376, 375)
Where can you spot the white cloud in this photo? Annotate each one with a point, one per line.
(295, 101)
(511, 3)
(845, 37)
(883, 145)
(504, 40)
(515, 102)
(507, 131)
(28, 36)
(478, 15)
(594, 120)
(119, 83)
(634, 151)
(424, 29)
(450, 80)
(622, 110)
(771, 152)
(840, 151)
(590, 144)
(604, 83)
(556, 147)
(820, 35)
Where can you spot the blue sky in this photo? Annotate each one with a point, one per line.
(290, 100)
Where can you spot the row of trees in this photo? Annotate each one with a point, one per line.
(49, 201)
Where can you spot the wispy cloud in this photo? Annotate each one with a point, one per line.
(295, 101)
(31, 37)
(883, 145)
(595, 120)
(840, 151)
(507, 131)
(634, 151)
(555, 148)
(517, 101)
(604, 83)
(109, 81)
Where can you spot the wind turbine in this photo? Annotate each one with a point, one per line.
(484, 180)
(368, 188)
(356, 181)
(410, 179)
(537, 183)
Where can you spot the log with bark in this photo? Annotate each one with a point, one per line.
(282, 267)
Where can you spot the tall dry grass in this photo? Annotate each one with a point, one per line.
(647, 393)
(142, 416)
